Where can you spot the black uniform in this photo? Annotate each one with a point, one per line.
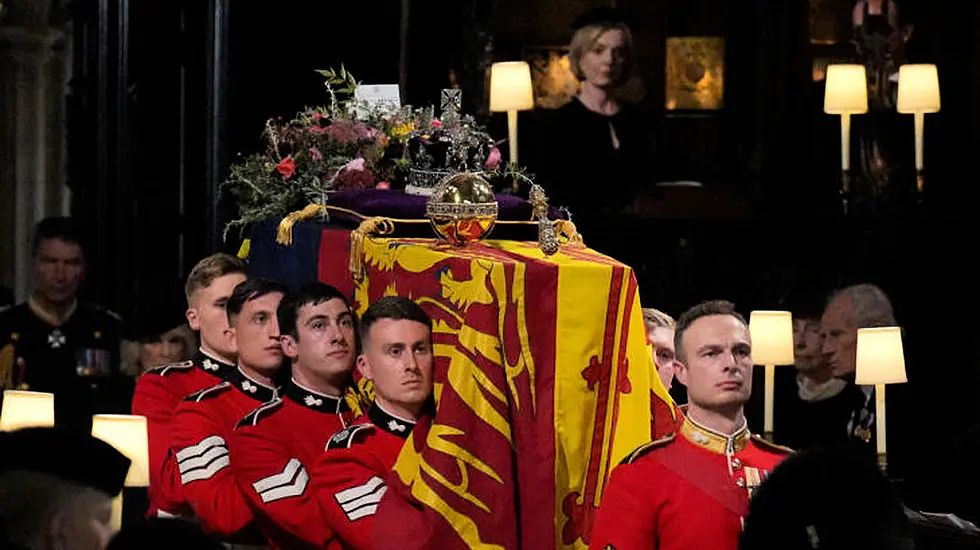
(77, 360)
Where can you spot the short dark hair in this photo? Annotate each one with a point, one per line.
(60, 228)
(310, 294)
(249, 290)
(704, 309)
(392, 307)
(209, 269)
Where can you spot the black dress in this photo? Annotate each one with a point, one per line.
(573, 157)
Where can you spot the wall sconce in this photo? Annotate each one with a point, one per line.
(128, 435)
(511, 91)
(26, 409)
(846, 94)
(772, 344)
(880, 360)
(918, 93)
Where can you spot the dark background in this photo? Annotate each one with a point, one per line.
(167, 92)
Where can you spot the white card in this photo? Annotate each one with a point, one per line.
(386, 96)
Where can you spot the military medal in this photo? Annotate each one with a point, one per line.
(56, 339)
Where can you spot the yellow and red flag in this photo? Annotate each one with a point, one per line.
(543, 383)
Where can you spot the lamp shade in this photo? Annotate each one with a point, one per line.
(26, 409)
(772, 337)
(847, 90)
(128, 435)
(880, 356)
(510, 87)
(918, 89)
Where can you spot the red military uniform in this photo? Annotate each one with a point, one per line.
(274, 449)
(158, 392)
(201, 428)
(687, 491)
(350, 476)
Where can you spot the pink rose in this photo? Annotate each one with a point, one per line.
(315, 154)
(436, 123)
(382, 185)
(317, 116)
(493, 161)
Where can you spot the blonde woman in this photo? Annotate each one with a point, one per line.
(158, 336)
(591, 153)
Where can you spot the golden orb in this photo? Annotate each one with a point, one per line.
(462, 208)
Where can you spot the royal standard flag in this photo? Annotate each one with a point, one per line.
(543, 383)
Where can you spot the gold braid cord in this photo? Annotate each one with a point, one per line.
(285, 234)
(382, 226)
(375, 226)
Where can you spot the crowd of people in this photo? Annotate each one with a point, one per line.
(263, 437)
(261, 433)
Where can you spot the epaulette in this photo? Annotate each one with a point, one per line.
(199, 396)
(770, 446)
(162, 370)
(252, 418)
(345, 438)
(646, 448)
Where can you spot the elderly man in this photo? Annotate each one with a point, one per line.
(851, 308)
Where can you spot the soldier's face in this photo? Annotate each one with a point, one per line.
(58, 270)
(207, 314)
(839, 331)
(716, 364)
(662, 339)
(256, 334)
(398, 357)
(325, 346)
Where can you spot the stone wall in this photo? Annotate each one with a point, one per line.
(34, 68)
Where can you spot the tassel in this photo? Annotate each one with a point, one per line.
(378, 226)
(285, 234)
(245, 249)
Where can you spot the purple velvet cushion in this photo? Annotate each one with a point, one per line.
(398, 204)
